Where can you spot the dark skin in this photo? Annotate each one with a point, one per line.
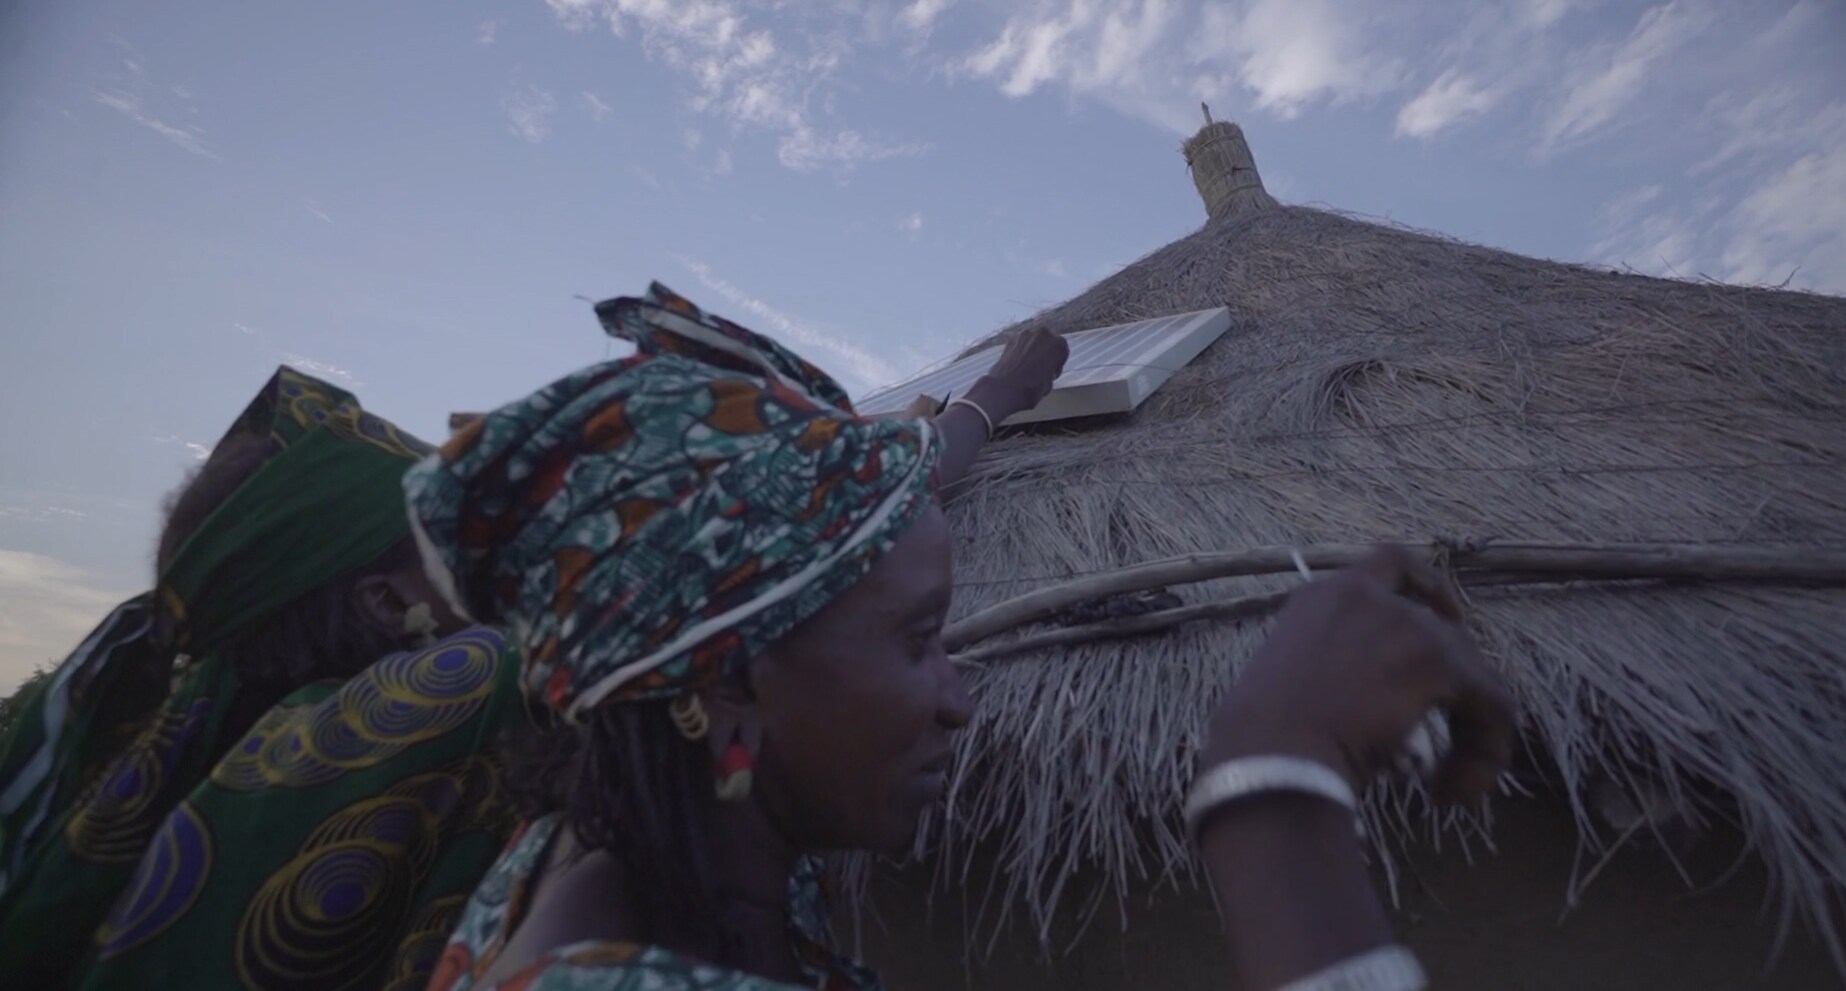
(1354, 662)
(1029, 365)
(850, 719)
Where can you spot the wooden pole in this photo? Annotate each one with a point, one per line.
(1558, 562)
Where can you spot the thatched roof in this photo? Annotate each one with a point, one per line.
(1385, 384)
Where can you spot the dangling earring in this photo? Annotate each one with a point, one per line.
(420, 625)
(736, 773)
(689, 715)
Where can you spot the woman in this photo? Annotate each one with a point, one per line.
(285, 562)
(732, 592)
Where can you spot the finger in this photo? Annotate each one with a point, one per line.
(1404, 574)
(1482, 728)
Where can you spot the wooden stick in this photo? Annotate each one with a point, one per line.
(1700, 561)
(1242, 607)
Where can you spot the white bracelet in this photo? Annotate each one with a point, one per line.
(1245, 776)
(1388, 968)
(971, 404)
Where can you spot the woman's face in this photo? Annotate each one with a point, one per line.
(858, 704)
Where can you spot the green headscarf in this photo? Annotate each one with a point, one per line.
(326, 501)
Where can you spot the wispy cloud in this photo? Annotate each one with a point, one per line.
(910, 223)
(599, 111)
(245, 328)
(721, 162)
(921, 15)
(130, 105)
(749, 75)
(316, 212)
(529, 110)
(47, 606)
(322, 369)
(643, 174)
(1452, 98)
(41, 514)
(1607, 82)
(855, 367)
(486, 33)
(139, 98)
(199, 451)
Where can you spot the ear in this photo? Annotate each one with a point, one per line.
(382, 601)
(731, 706)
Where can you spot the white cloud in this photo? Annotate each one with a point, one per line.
(1609, 81)
(1793, 219)
(41, 514)
(1155, 59)
(244, 328)
(690, 137)
(721, 165)
(910, 223)
(322, 369)
(316, 212)
(921, 15)
(855, 367)
(599, 110)
(487, 33)
(528, 112)
(130, 105)
(748, 75)
(805, 149)
(1294, 52)
(47, 607)
(644, 175)
(1451, 99)
(199, 451)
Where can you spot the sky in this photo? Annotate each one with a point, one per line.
(415, 199)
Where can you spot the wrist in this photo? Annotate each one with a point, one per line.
(1237, 735)
(996, 396)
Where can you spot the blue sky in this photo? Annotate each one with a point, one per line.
(408, 197)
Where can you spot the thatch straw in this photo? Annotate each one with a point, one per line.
(1224, 171)
(1381, 384)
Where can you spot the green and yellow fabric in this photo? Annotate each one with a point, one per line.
(325, 501)
(337, 842)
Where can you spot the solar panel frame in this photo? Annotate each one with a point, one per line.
(1110, 370)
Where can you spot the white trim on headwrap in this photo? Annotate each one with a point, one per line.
(434, 567)
(591, 694)
(698, 332)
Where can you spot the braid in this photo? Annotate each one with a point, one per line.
(629, 784)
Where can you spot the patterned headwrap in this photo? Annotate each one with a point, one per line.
(646, 525)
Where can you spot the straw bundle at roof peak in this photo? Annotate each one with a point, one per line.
(1379, 384)
(1224, 170)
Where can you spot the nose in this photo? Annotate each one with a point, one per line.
(954, 705)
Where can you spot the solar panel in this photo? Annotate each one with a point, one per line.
(1110, 369)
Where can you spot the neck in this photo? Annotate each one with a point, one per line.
(751, 859)
(587, 894)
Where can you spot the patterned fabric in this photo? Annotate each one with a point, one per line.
(646, 524)
(335, 845)
(80, 806)
(502, 900)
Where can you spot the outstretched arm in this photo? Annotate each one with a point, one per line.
(1019, 381)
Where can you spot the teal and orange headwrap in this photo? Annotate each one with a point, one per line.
(645, 525)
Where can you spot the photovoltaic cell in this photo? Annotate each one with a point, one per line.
(1110, 369)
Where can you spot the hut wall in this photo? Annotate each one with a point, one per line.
(1494, 924)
